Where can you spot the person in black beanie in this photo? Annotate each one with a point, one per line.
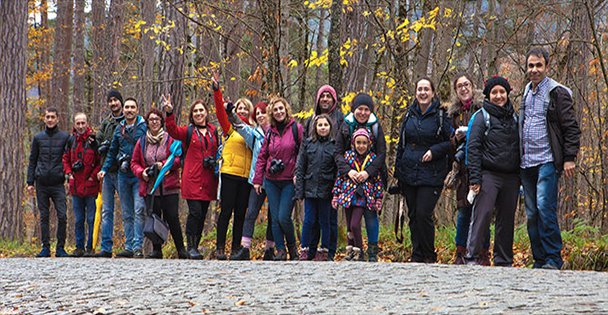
(110, 181)
(493, 164)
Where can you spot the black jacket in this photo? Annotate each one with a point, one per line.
(47, 149)
(316, 169)
(420, 133)
(498, 151)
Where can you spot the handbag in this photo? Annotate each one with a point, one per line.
(155, 228)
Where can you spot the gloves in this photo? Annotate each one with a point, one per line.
(229, 107)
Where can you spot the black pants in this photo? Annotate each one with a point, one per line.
(234, 197)
(498, 191)
(44, 194)
(421, 201)
(197, 212)
(333, 235)
(167, 207)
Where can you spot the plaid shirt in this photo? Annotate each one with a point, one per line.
(535, 138)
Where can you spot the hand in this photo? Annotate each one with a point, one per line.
(294, 180)
(31, 190)
(362, 176)
(229, 107)
(159, 165)
(145, 176)
(70, 176)
(258, 188)
(166, 103)
(334, 204)
(353, 175)
(100, 175)
(569, 168)
(475, 188)
(460, 135)
(215, 79)
(427, 156)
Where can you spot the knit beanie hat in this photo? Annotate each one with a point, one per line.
(114, 93)
(362, 99)
(360, 132)
(494, 81)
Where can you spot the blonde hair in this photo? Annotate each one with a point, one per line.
(245, 101)
(270, 109)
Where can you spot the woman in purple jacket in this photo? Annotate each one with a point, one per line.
(275, 167)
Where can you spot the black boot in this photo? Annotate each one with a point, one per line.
(220, 254)
(157, 252)
(242, 254)
(193, 252)
(182, 253)
(293, 251)
(268, 254)
(372, 252)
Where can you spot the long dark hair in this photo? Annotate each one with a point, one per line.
(314, 134)
(196, 102)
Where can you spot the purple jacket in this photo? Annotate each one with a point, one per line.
(278, 147)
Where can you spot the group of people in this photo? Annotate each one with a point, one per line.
(329, 162)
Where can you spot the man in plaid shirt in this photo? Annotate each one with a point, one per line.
(550, 140)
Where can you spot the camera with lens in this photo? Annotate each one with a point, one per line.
(77, 166)
(124, 163)
(103, 147)
(209, 162)
(152, 171)
(460, 152)
(276, 166)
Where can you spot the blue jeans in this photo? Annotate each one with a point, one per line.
(316, 211)
(540, 197)
(84, 207)
(280, 202)
(463, 223)
(108, 189)
(133, 206)
(372, 226)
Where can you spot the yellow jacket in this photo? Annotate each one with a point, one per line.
(236, 156)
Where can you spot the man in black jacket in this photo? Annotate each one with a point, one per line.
(549, 142)
(46, 172)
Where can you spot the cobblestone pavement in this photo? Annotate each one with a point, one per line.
(115, 286)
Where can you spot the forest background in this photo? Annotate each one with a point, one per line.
(68, 53)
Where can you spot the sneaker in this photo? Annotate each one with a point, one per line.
(281, 255)
(461, 251)
(349, 253)
(78, 252)
(88, 253)
(321, 255)
(358, 254)
(303, 254)
(60, 253)
(45, 252)
(241, 254)
(139, 254)
(220, 255)
(102, 254)
(125, 254)
(268, 254)
(549, 266)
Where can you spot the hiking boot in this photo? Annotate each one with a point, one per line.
(357, 254)
(303, 254)
(281, 255)
(60, 253)
(88, 253)
(321, 255)
(125, 254)
(138, 253)
(268, 254)
(349, 253)
(45, 252)
(241, 254)
(182, 253)
(220, 255)
(155, 254)
(372, 252)
(461, 251)
(549, 266)
(293, 251)
(484, 257)
(102, 254)
(78, 252)
(193, 252)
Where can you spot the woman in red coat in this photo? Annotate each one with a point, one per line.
(150, 154)
(199, 184)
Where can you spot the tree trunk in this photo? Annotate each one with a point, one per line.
(98, 61)
(172, 65)
(79, 68)
(146, 88)
(284, 56)
(333, 45)
(423, 54)
(13, 106)
(60, 91)
(320, 46)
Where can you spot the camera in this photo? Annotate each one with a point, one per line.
(152, 171)
(103, 147)
(209, 162)
(276, 166)
(460, 154)
(77, 166)
(124, 163)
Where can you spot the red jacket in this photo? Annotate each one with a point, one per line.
(198, 183)
(138, 165)
(84, 183)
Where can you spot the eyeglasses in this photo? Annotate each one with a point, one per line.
(465, 85)
(153, 119)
